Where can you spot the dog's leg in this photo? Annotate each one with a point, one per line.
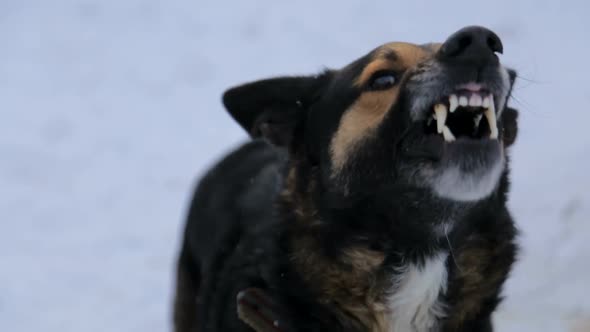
(187, 293)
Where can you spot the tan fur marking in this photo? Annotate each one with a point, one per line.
(373, 67)
(359, 121)
(475, 281)
(434, 47)
(363, 259)
(349, 283)
(409, 54)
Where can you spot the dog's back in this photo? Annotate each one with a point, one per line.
(232, 201)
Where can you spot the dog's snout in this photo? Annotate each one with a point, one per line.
(475, 44)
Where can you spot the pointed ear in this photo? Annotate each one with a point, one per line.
(273, 108)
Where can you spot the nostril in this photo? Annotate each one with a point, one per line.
(491, 43)
(473, 44)
(494, 44)
(457, 46)
(464, 42)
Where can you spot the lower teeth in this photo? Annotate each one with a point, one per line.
(447, 134)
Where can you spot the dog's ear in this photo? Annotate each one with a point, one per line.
(512, 74)
(510, 125)
(274, 108)
(510, 115)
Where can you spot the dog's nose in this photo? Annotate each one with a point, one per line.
(476, 45)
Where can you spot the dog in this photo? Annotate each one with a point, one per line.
(371, 198)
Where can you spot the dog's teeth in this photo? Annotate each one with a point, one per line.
(486, 102)
(475, 101)
(490, 114)
(453, 103)
(477, 119)
(447, 134)
(440, 111)
(463, 101)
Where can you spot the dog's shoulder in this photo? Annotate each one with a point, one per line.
(235, 193)
(252, 170)
(243, 164)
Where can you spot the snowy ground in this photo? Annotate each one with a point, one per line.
(109, 109)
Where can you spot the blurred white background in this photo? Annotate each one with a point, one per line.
(109, 109)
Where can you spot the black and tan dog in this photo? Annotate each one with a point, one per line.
(375, 200)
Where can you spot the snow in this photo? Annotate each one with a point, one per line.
(110, 109)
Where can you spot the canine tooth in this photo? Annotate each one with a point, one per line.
(447, 134)
(486, 102)
(453, 103)
(440, 111)
(463, 101)
(477, 119)
(475, 101)
(490, 114)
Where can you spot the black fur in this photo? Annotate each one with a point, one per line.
(265, 205)
(234, 211)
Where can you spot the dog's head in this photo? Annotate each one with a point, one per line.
(430, 116)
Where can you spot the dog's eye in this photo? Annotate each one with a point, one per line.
(382, 80)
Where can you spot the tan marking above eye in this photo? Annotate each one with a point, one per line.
(409, 54)
(358, 121)
(368, 111)
(434, 47)
(371, 68)
(405, 56)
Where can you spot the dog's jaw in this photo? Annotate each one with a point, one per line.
(468, 167)
(468, 171)
(455, 184)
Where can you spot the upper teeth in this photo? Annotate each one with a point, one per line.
(453, 103)
(463, 101)
(487, 102)
(475, 101)
(440, 112)
(490, 114)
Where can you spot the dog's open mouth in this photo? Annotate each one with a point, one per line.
(469, 112)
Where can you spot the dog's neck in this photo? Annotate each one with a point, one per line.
(346, 250)
(380, 221)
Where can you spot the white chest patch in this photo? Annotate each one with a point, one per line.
(414, 303)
